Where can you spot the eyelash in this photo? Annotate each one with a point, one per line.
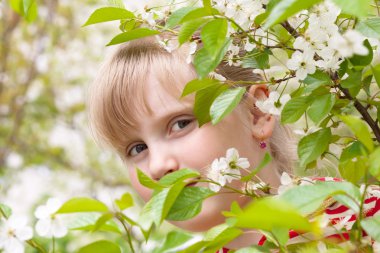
(188, 122)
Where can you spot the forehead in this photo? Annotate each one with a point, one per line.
(160, 100)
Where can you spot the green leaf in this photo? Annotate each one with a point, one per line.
(176, 17)
(157, 208)
(30, 10)
(269, 213)
(5, 211)
(207, 4)
(17, 6)
(360, 129)
(281, 235)
(376, 74)
(188, 203)
(294, 109)
(213, 36)
(353, 162)
(100, 247)
(360, 61)
(264, 162)
(353, 82)
(199, 13)
(370, 27)
(372, 226)
(257, 59)
(374, 163)
(199, 84)
(102, 220)
(125, 201)
(178, 176)
(203, 101)
(285, 9)
(358, 8)
(225, 103)
(188, 28)
(308, 198)
(321, 107)
(92, 222)
(205, 63)
(132, 35)
(253, 249)
(106, 14)
(76, 205)
(313, 145)
(316, 80)
(173, 240)
(146, 180)
(219, 235)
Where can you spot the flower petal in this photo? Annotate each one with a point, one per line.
(24, 234)
(243, 163)
(285, 179)
(43, 227)
(232, 154)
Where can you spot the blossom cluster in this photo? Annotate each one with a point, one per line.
(321, 44)
(14, 231)
(226, 169)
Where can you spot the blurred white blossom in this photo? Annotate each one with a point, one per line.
(13, 234)
(14, 160)
(348, 44)
(71, 141)
(50, 224)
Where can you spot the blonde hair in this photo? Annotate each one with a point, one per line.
(117, 95)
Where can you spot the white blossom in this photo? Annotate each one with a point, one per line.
(233, 51)
(253, 186)
(302, 63)
(216, 174)
(242, 11)
(273, 104)
(50, 224)
(217, 76)
(13, 233)
(348, 44)
(248, 46)
(286, 183)
(226, 169)
(234, 161)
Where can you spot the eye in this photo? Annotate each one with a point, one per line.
(180, 124)
(136, 149)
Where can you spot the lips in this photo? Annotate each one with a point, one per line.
(192, 182)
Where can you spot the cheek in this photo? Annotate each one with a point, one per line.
(144, 192)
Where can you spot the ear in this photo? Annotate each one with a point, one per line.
(262, 123)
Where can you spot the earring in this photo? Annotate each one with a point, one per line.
(262, 143)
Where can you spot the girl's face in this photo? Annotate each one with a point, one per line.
(170, 139)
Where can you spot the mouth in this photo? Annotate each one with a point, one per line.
(192, 182)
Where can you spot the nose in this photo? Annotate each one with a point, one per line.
(162, 162)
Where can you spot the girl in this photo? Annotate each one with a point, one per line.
(135, 107)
